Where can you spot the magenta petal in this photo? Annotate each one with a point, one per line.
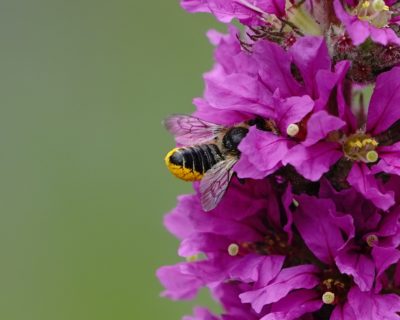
(384, 35)
(227, 10)
(225, 117)
(389, 224)
(202, 242)
(201, 314)
(326, 80)
(361, 178)
(292, 110)
(343, 312)
(289, 279)
(384, 257)
(229, 54)
(312, 162)
(177, 284)
(310, 55)
(195, 5)
(246, 169)
(384, 108)
(322, 230)
(294, 305)
(251, 268)
(287, 200)
(368, 306)
(320, 125)
(177, 221)
(360, 266)
(344, 110)
(276, 7)
(275, 69)
(389, 159)
(239, 92)
(264, 150)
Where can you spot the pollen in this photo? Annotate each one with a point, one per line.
(328, 297)
(361, 147)
(292, 130)
(233, 249)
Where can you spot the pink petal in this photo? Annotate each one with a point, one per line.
(312, 162)
(320, 125)
(361, 178)
(384, 106)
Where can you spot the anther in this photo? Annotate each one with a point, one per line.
(295, 203)
(233, 249)
(372, 156)
(365, 4)
(328, 297)
(372, 240)
(292, 130)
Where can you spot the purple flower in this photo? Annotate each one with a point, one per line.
(309, 227)
(261, 83)
(271, 148)
(279, 284)
(370, 246)
(362, 244)
(358, 144)
(249, 12)
(367, 19)
(367, 305)
(221, 235)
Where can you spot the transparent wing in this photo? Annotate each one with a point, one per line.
(190, 130)
(215, 182)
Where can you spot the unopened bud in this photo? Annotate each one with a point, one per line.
(233, 249)
(292, 130)
(372, 240)
(372, 156)
(192, 258)
(328, 297)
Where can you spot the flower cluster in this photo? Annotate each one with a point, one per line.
(309, 227)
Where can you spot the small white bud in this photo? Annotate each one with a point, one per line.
(233, 249)
(192, 258)
(292, 130)
(372, 156)
(328, 297)
(372, 240)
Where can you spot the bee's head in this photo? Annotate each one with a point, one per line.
(233, 137)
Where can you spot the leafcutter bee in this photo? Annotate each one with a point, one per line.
(208, 153)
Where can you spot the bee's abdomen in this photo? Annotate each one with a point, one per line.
(191, 163)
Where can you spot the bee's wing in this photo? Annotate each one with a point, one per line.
(215, 182)
(191, 130)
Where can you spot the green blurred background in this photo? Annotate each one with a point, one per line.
(84, 86)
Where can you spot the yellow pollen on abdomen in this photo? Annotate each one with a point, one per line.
(181, 172)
